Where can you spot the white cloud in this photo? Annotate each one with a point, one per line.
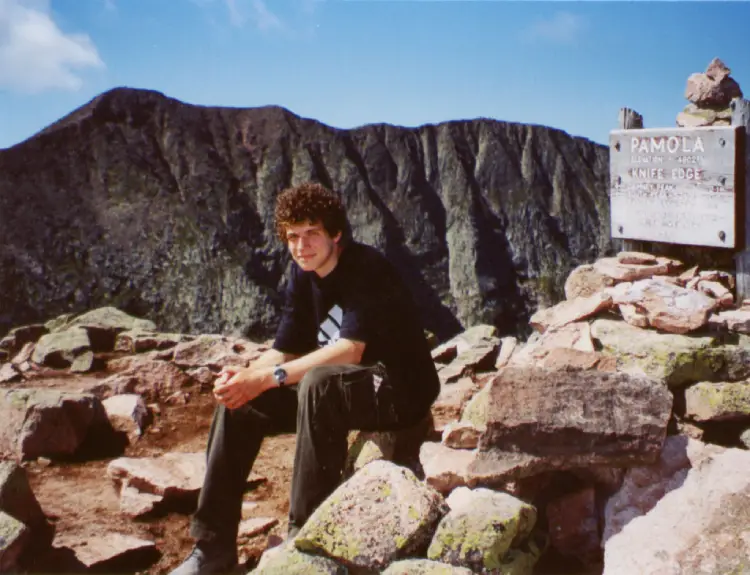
(35, 55)
(260, 14)
(562, 28)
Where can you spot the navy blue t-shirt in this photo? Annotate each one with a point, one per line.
(362, 299)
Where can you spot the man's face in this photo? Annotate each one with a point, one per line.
(312, 247)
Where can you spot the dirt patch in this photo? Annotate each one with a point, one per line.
(82, 502)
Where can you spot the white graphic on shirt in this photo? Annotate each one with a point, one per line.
(329, 331)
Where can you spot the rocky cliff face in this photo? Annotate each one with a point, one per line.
(165, 210)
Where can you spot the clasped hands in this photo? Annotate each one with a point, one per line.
(235, 386)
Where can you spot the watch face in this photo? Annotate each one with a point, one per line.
(280, 375)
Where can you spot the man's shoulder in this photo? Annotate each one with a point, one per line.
(368, 259)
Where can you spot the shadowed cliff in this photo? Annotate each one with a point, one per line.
(165, 210)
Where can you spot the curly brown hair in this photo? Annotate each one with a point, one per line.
(309, 202)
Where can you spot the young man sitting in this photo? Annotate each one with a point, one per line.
(349, 353)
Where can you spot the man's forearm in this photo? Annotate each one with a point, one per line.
(270, 358)
(343, 351)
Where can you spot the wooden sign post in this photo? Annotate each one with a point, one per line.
(684, 187)
(741, 120)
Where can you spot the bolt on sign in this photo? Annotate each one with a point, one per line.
(674, 185)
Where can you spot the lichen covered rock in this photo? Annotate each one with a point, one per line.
(481, 529)
(381, 514)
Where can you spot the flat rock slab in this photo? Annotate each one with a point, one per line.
(383, 513)
(609, 418)
(172, 475)
(107, 550)
(702, 526)
(570, 311)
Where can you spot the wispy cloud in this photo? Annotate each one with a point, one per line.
(36, 55)
(562, 28)
(255, 10)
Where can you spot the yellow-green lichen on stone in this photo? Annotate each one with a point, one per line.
(715, 401)
(476, 408)
(424, 567)
(290, 561)
(478, 534)
(377, 516)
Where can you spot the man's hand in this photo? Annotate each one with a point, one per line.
(235, 386)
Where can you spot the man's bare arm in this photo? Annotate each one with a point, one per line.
(270, 358)
(343, 351)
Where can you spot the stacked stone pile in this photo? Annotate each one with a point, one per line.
(612, 439)
(710, 94)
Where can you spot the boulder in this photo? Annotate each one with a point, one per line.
(672, 358)
(698, 527)
(288, 560)
(667, 307)
(60, 349)
(609, 417)
(388, 514)
(48, 422)
(480, 529)
(643, 486)
(155, 380)
(724, 401)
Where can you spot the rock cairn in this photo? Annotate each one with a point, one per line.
(710, 94)
(614, 439)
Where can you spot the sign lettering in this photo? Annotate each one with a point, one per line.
(674, 185)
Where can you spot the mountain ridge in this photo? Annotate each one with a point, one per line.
(484, 217)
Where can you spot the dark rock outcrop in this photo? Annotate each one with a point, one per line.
(165, 209)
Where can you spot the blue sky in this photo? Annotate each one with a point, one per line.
(569, 65)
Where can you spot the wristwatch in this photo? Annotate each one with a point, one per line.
(280, 375)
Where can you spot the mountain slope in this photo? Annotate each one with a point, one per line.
(165, 210)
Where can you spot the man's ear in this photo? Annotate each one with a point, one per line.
(337, 237)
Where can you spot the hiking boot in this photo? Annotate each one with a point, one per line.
(208, 559)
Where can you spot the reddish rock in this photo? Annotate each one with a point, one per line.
(574, 526)
(576, 419)
(585, 281)
(451, 401)
(445, 468)
(619, 272)
(669, 308)
(638, 258)
(570, 311)
(461, 435)
(712, 92)
(154, 380)
(632, 315)
(99, 552)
